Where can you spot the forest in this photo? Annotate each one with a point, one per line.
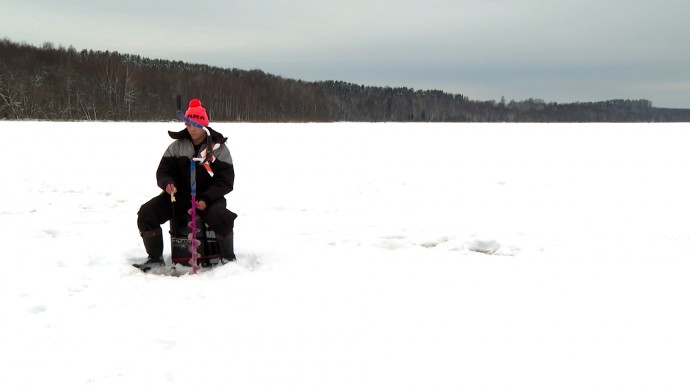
(58, 83)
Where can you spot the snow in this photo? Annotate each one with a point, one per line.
(369, 255)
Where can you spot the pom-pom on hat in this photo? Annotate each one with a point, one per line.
(196, 112)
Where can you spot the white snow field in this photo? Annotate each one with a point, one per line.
(369, 255)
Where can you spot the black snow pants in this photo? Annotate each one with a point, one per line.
(159, 210)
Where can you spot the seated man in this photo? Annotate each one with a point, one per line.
(213, 181)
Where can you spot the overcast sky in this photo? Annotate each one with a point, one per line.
(557, 50)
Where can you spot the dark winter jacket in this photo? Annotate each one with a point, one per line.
(175, 168)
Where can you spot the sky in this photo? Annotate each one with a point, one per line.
(559, 50)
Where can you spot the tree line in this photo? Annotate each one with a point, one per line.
(57, 83)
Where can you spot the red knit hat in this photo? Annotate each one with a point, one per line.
(196, 112)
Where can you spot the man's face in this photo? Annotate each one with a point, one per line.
(195, 132)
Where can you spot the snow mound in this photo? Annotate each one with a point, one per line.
(489, 247)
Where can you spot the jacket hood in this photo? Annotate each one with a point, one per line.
(216, 137)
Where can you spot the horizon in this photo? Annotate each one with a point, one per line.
(557, 51)
(59, 46)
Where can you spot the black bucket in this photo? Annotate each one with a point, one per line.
(180, 243)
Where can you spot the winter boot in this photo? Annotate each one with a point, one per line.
(225, 248)
(153, 243)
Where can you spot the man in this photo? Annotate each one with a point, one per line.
(214, 179)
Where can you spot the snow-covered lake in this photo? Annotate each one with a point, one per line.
(369, 255)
